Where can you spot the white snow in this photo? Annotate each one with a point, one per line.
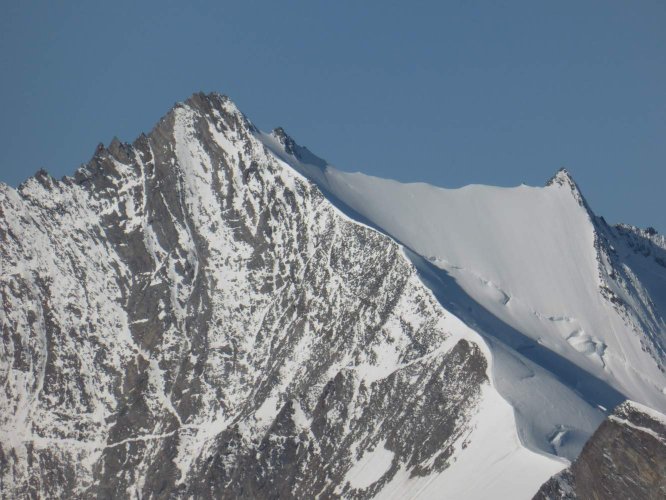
(371, 467)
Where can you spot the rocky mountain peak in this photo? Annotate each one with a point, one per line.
(216, 106)
(285, 140)
(300, 153)
(563, 178)
(188, 316)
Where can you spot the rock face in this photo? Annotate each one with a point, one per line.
(625, 458)
(188, 316)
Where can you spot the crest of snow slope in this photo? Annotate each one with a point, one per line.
(189, 316)
(566, 303)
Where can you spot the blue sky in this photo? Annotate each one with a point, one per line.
(449, 93)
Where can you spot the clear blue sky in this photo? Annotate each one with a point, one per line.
(449, 93)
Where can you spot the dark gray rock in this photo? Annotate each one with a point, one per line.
(625, 458)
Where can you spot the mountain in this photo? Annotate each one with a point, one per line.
(553, 289)
(214, 311)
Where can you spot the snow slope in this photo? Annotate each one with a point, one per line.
(573, 313)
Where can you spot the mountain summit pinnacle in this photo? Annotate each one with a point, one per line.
(563, 178)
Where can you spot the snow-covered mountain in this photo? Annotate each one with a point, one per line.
(213, 311)
(547, 283)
